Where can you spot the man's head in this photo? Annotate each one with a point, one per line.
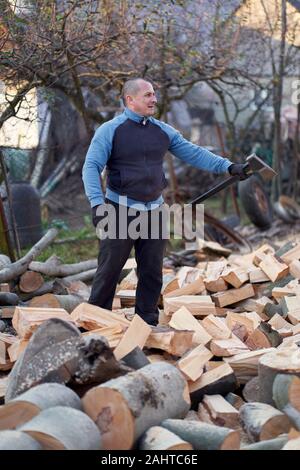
(139, 96)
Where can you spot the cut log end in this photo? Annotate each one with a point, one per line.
(231, 441)
(108, 409)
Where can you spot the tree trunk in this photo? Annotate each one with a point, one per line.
(53, 267)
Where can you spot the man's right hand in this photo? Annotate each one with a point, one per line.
(96, 218)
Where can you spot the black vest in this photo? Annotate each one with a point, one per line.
(135, 166)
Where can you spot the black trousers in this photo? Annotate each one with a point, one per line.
(112, 257)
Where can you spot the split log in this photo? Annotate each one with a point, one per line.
(218, 380)
(136, 335)
(16, 349)
(290, 307)
(237, 318)
(196, 287)
(175, 342)
(182, 319)
(19, 267)
(125, 408)
(113, 334)
(53, 267)
(292, 254)
(235, 276)
(17, 440)
(198, 305)
(29, 404)
(232, 296)
(91, 317)
(30, 281)
(26, 319)
(204, 436)
(284, 361)
(63, 428)
(262, 422)
(67, 302)
(257, 275)
(295, 268)
(213, 280)
(193, 362)
(227, 347)
(274, 267)
(271, 444)
(245, 365)
(216, 327)
(221, 411)
(263, 337)
(261, 252)
(158, 438)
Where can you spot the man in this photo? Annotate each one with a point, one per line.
(132, 146)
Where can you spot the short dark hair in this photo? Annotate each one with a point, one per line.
(131, 87)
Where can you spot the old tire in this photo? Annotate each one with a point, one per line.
(256, 202)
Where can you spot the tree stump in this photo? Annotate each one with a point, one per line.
(125, 408)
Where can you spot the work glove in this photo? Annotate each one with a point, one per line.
(238, 169)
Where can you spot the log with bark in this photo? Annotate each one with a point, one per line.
(270, 444)
(158, 438)
(286, 394)
(284, 361)
(67, 302)
(54, 267)
(19, 267)
(29, 404)
(63, 428)
(30, 282)
(262, 422)
(58, 353)
(18, 440)
(204, 436)
(125, 408)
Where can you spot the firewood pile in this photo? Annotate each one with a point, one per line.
(220, 371)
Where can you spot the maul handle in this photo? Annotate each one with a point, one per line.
(215, 190)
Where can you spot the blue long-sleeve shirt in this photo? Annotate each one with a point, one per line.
(102, 146)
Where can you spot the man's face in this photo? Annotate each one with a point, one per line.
(144, 101)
